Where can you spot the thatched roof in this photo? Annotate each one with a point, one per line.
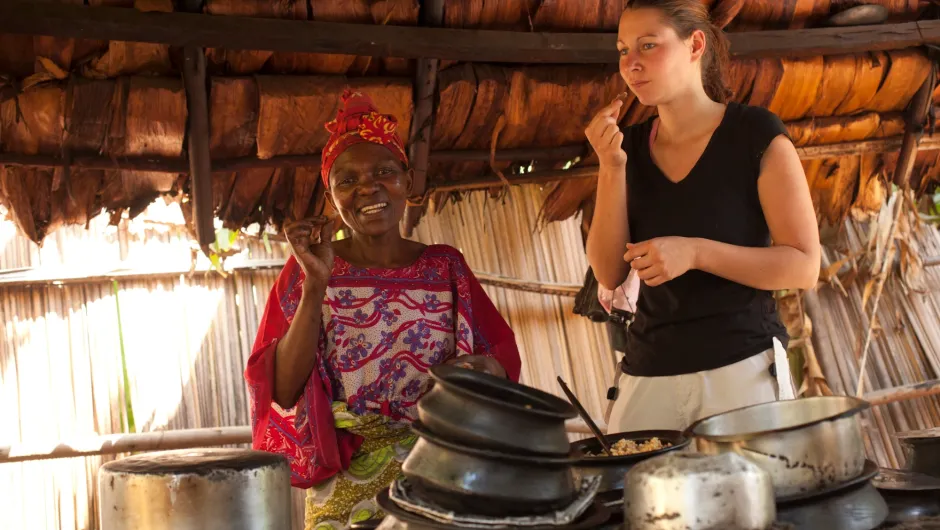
(116, 112)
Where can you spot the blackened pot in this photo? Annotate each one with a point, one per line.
(612, 469)
(488, 412)
(486, 482)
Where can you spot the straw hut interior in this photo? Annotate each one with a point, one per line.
(217, 107)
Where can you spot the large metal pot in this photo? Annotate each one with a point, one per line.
(202, 489)
(613, 469)
(689, 491)
(481, 410)
(470, 480)
(805, 444)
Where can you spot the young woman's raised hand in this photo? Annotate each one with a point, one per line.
(605, 136)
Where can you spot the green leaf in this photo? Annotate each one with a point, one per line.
(216, 263)
(267, 244)
(128, 409)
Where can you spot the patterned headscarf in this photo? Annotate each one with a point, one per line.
(356, 122)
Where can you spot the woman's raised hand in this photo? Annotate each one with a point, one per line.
(605, 136)
(311, 243)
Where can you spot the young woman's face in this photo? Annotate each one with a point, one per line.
(656, 64)
(369, 188)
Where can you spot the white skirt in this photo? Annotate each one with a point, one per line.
(675, 402)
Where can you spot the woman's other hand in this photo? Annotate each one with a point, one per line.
(479, 363)
(311, 243)
(661, 259)
(605, 136)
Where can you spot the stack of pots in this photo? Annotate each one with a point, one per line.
(488, 446)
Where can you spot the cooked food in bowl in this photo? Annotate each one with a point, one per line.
(629, 448)
(633, 447)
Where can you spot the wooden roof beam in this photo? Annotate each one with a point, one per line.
(240, 33)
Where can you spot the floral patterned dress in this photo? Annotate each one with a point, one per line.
(381, 330)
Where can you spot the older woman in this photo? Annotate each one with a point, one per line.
(352, 327)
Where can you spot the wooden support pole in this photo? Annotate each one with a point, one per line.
(379, 40)
(200, 162)
(914, 129)
(432, 15)
(903, 392)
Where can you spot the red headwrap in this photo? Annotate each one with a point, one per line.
(356, 122)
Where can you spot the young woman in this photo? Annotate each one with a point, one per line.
(709, 204)
(351, 329)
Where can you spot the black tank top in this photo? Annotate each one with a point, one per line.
(700, 321)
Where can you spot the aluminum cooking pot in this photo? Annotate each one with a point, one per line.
(689, 491)
(805, 444)
(196, 489)
(461, 478)
(484, 411)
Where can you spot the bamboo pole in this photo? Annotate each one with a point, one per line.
(125, 443)
(903, 392)
(113, 444)
(35, 277)
(557, 289)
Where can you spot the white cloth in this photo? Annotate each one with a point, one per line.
(675, 402)
(623, 298)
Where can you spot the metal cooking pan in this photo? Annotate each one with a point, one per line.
(806, 444)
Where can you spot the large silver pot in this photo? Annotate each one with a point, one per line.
(689, 491)
(202, 489)
(805, 444)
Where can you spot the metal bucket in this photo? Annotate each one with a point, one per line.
(202, 489)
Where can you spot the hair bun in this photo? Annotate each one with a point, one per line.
(724, 11)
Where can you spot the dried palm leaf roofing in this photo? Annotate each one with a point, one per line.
(102, 124)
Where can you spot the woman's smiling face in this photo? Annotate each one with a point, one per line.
(369, 188)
